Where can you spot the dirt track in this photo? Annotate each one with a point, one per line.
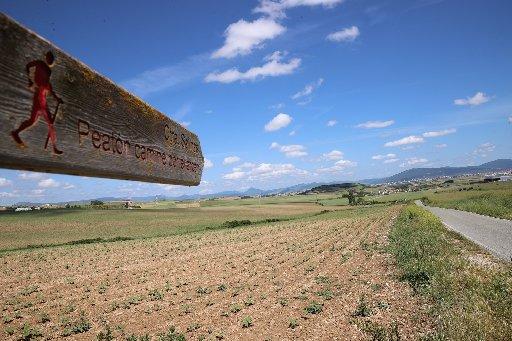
(207, 283)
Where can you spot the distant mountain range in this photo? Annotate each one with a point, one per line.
(408, 175)
(424, 173)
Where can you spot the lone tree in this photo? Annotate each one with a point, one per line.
(351, 198)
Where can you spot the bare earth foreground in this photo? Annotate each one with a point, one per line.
(205, 284)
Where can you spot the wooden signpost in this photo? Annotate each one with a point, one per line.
(59, 116)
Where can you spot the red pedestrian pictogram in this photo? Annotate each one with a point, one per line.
(39, 105)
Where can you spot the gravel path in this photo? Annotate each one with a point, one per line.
(491, 233)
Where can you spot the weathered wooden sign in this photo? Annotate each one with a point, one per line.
(59, 116)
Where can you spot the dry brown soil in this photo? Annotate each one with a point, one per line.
(205, 284)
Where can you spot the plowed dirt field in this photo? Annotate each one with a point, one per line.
(326, 277)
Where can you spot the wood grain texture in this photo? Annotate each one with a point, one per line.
(102, 130)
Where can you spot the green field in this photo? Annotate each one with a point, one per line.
(267, 200)
(401, 197)
(164, 218)
(58, 226)
(492, 199)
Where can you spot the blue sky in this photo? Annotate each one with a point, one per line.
(291, 91)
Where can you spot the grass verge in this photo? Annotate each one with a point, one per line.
(496, 203)
(470, 301)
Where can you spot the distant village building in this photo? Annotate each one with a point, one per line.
(23, 209)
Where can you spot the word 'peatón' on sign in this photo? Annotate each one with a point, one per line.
(59, 116)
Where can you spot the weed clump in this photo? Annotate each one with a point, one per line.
(363, 309)
(326, 294)
(379, 332)
(43, 318)
(249, 301)
(203, 291)
(155, 295)
(171, 335)
(236, 223)
(81, 325)
(105, 335)
(247, 322)
(29, 333)
(293, 323)
(314, 308)
(235, 308)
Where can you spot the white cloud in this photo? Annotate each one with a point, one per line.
(346, 34)
(308, 89)
(234, 175)
(269, 171)
(167, 187)
(185, 123)
(406, 140)
(484, 149)
(510, 119)
(165, 77)
(183, 111)
(441, 145)
(37, 192)
(277, 8)
(333, 155)
(30, 175)
(292, 150)
(272, 68)
(7, 195)
(339, 166)
(390, 160)
(206, 187)
(477, 99)
(265, 171)
(413, 161)
(384, 157)
(332, 123)
(306, 101)
(281, 120)
(292, 133)
(208, 163)
(245, 165)
(387, 158)
(48, 183)
(375, 124)
(439, 133)
(4, 182)
(230, 160)
(68, 186)
(277, 106)
(243, 36)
